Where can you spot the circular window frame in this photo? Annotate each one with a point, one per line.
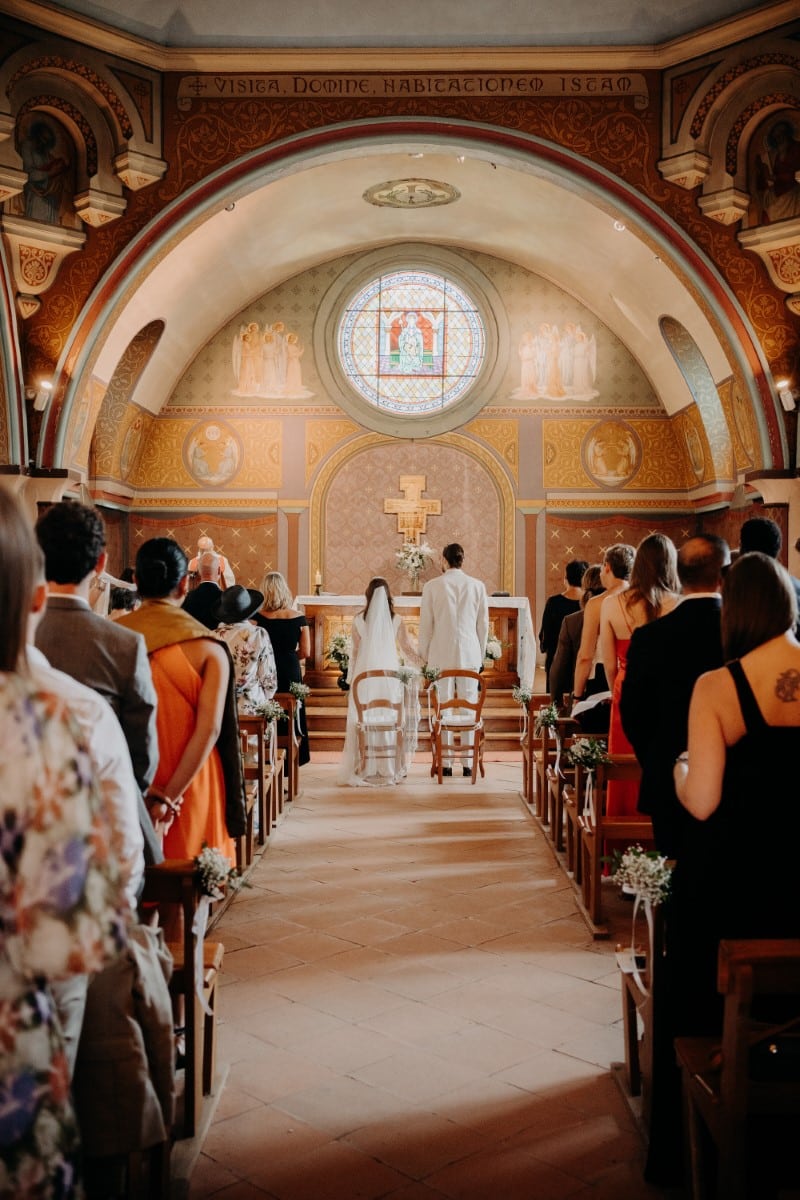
(410, 257)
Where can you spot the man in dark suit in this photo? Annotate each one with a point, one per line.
(665, 659)
(98, 652)
(203, 601)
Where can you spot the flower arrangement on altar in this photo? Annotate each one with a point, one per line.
(643, 873)
(412, 559)
(589, 752)
(494, 649)
(339, 651)
(271, 710)
(215, 873)
(545, 718)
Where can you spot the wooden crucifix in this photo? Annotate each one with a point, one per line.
(412, 511)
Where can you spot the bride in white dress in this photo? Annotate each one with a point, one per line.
(376, 634)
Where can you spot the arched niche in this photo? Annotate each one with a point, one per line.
(354, 537)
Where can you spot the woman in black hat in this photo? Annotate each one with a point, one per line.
(256, 677)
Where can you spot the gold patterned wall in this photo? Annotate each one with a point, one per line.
(230, 454)
(611, 453)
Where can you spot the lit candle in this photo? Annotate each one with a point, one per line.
(318, 579)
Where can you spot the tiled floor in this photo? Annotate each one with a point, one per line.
(413, 1009)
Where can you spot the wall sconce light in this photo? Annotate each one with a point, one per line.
(787, 395)
(42, 394)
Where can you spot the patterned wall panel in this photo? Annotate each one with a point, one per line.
(361, 539)
(249, 545)
(322, 437)
(120, 432)
(742, 424)
(567, 538)
(233, 451)
(637, 455)
(503, 437)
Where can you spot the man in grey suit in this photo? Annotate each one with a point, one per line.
(97, 652)
(454, 622)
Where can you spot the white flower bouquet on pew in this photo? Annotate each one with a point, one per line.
(643, 873)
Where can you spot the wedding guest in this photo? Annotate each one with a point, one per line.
(763, 534)
(99, 653)
(453, 628)
(653, 591)
(256, 675)
(291, 642)
(615, 571)
(563, 604)
(61, 892)
(562, 670)
(376, 633)
(744, 727)
(665, 659)
(202, 601)
(198, 791)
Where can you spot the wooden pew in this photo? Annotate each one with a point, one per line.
(530, 743)
(748, 1105)
(597, 828)
(173, 884)
(289, 743)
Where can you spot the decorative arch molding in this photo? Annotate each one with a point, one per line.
(705, 138)
(687, 261)
(113, 114)
(117, 441)
(13, 426)
(701, 384)
(464, 445)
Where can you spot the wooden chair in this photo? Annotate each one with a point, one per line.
(259, 779)
(747, 1103)
(530, 743)
(290, 744)
(560, 773)
(454, 718)
(173, 883)
(597, 828)
(380, 719)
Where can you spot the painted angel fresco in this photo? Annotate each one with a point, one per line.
(557, 364)
(266, 362)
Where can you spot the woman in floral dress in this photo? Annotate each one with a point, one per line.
(61, 899)
(255, 674)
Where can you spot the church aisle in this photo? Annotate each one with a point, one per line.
(411, 1008)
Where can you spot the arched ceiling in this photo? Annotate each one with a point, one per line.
(416, 23)
(259, 234)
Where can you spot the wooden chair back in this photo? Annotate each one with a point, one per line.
(560, 772)
(530, 744)
(379, 699)
(748, 1101)
(173, 883)
(452, 717)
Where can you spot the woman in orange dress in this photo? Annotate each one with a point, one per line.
(192, 677)
(654, 591)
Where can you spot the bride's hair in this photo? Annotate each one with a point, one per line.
(372, 587)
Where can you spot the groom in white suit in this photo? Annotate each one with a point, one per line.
(454, 623)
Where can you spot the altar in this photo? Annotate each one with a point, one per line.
(510, 622)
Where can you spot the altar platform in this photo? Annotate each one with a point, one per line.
(510, 622)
